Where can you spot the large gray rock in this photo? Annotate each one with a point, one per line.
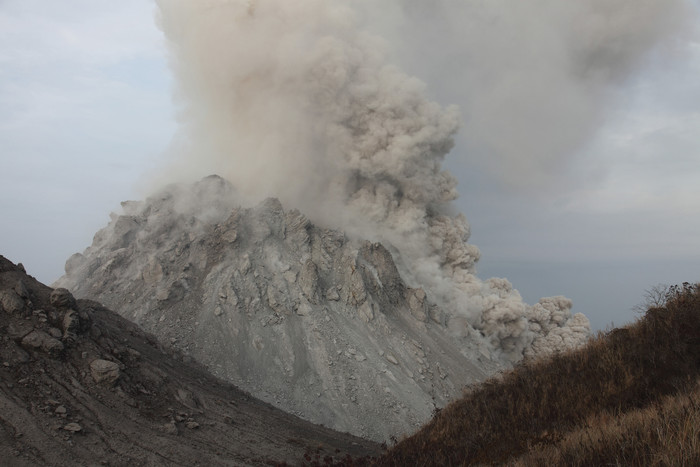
(11, 302)
(39, 340)
(62, 298)
(104, 371)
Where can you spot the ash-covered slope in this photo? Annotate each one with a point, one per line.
(316, 323)
(80, 385)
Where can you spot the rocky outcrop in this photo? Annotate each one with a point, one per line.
(301, 316)
(39, 340)
(39, 332)
(114, 396)
(15, 299)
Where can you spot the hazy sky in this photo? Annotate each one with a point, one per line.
(86, 116)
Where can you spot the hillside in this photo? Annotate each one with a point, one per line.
(313, 320)
(630, 397)
(79, 385)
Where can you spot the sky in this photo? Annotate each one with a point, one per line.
(86, 118)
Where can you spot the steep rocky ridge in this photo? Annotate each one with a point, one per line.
(80, 385)
(311, 321)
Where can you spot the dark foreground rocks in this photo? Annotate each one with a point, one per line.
(79, 385)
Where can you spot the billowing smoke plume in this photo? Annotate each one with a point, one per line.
(532, 78)
(293, 99)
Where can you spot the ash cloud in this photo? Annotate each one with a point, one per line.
(299, 101)
(534, 79)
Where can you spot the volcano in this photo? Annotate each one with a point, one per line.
(317, 323)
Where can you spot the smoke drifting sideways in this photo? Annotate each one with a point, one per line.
(294, 99)
(535, 79)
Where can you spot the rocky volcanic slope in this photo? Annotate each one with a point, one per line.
(80, 385)
(298, 315)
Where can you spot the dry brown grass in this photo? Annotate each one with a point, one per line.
(662, 434)
(630, 397)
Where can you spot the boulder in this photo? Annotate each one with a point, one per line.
(71, 325)
(62, 298)
(17, 330)
(39, 340)
(104, 371)
(73, 428)
(11, 302)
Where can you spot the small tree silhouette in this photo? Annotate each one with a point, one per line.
(654, 297)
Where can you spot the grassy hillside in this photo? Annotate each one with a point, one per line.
(630, 397)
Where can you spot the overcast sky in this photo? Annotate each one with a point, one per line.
(86, 114)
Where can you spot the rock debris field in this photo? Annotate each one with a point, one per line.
(80, 385)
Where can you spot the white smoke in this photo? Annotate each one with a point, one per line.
(293, 99)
